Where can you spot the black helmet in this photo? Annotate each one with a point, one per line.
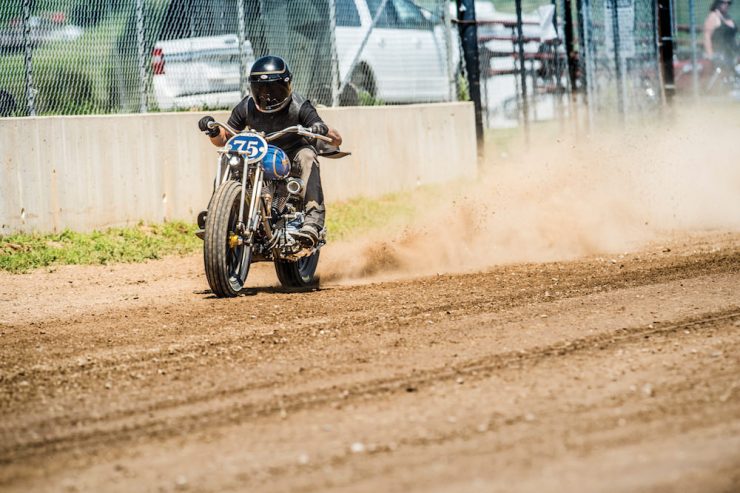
(270, 83)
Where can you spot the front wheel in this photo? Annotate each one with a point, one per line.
(298, 274)
(226, 261)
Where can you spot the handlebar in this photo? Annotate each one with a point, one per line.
(297, 129)
(212, 125)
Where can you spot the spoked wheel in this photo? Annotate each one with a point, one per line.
(298, 274)
(226, 262)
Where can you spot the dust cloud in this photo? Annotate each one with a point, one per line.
(566, 195)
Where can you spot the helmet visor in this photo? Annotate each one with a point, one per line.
(270, 95)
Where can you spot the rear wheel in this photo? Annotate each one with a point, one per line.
(298, 274)
(226, 262)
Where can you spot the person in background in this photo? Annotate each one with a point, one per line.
(719, 33)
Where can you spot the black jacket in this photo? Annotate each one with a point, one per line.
(299, 111)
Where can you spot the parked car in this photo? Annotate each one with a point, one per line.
(197, 72)
(403, 59)
(41, 29)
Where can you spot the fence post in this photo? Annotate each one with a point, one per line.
(242, 35)
(141, 55)
(522, 67)
(28, 58)
(582, 46)
(694, 61)
(452, 83)
(334, 55)
(572, 56)
(556, 60)
(665, 47)
(584, 13)
(469, 38)
(617, 56)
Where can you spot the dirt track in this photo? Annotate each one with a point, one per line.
(602, 374)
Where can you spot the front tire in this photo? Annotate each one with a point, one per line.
(299, 274)
(226, 266)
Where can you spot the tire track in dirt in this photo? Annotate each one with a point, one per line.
(94, 374)
(587, 421)
(677, 409)
(232, 413)
(481, 299)
(203, 338)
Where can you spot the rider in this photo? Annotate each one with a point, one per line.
(271, 106)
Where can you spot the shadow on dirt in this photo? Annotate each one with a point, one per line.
(208, 294)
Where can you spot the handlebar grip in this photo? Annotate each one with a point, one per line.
(306, 132)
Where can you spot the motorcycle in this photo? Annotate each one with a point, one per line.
(255, 208)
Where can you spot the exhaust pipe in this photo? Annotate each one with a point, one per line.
(295, 186)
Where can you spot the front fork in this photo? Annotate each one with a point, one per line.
(257, 209)
(248, 228)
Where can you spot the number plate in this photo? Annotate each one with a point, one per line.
(251, 145)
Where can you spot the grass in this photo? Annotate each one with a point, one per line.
(359, 215)
(23, 252)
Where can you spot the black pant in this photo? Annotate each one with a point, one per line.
(307, 161)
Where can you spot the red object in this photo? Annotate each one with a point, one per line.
(683, 73)
(157, 61)
(58, 17)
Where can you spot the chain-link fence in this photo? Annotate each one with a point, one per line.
(110, 56)
(620, 55)
(523, 78)
(114, 56)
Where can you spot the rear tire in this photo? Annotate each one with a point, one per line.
(299, 274)
(226, 268)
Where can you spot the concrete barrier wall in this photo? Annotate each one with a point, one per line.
(93, 172)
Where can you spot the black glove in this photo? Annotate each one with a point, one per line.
(203, 126)
(319, 128)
